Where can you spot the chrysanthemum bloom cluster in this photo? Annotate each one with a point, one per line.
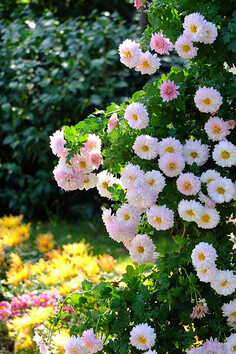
(87, 343)
(196, 29)
(142, 336)
(19, 305)
(200, 310)
(203, 258)
(132, 56)
(77, 173)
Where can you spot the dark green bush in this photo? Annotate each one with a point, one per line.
(51, 73)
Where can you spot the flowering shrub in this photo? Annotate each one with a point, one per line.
(168, 164)
(32, 288)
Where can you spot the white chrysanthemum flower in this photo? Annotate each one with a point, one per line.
(148, 63)
(91, 342)
(155, 180)
(90, 181)
(224, 283)
(160, 217)
(213, 346)
(142, 336)
(105, 180)
(229, 311)
(210, 33)
(221, 190)
(43, 349)
(142, 197)
(208, 219)
(189, 210)
(75, 345)
(208, 99)
(194, 26)
(204, 255)
(206, 273)
(216, 128)
(171, 164)
(184, 47)
(67, 178)
(171, 145)
(209, 176)
(81, 163)
(129, 53)
(188, 184)
(230, 344)
(57, 143)
(146, 147)
(224, 154)
(137, 116)
(142, 250)
(128, 215)
(194, 151)
(131, 175)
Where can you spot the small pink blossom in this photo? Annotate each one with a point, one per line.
(5, 310)
(160, 44)
(93, 143)
(138, 4)
(168, 90)
(92, 343)
(231, 124)
(216, 128)
(113, 122)
(199, 311)
(67, 178)
(95, 159)
(57, 143)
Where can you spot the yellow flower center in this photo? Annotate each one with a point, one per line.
(82, 164)
(131, 178)
(172, 166)
(234, 348)
(151, 182)
(206, 218)
(128, 55)
(86, 180)
(186, 48)
(190, 212)
(193, 28)
(145, 148)
(201, 256)
(158, 220)
(207, 101)
(209, 180)
(146, 64)
(187, 185)
(220, 190)
(75, 351)
(204, 271)
(233, 314)
(194, 154)
(216, 129)
(225, 155)
(224, 283)
(126, 217)
(140, 249)
(170, 149)
(135, 117)
(105, 185)
(142, 340)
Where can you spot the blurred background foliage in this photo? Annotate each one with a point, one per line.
(58, 61)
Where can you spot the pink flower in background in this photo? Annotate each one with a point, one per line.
(113, 122)
(168, 90)
(231, 123)
(95, 159)
(188, 184)
(57, 143)
(138, 4)
(200, 310)
(91, 342)
(67, 178)
(171, 164)
(213, 346)
(5, 310)
(40, 343)
(160, 44)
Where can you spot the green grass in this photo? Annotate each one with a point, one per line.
(92, 231)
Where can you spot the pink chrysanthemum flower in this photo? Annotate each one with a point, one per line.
(81, 163)
(105, 180)
(142, 197)
(40, 343)
(113, 122)
(57, 143)
(95, 159)
(160, 44)
(194, 26)
(142, 336)
(5, 310)
(137, 116)
(160, 217)
(168, 90)
(209, 33)
(212, 346)
(170, 145)
(148, 63)
(200, 310)
(216, 128)
(91, 342)
(188, 184)
(231, 123)
(204, 254)
(93, 143)
(67, 178)
(208, 99)
(171, 164)
(209, 203)
(195, 151)
(131, 175)
(142, 250)
(146, 147)
(185, 48)
(75, 345)
(138, 4)
(128, 215)
(129, 53)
